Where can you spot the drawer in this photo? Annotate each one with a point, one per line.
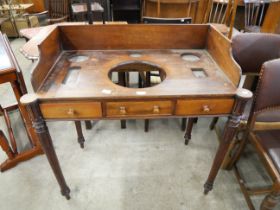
(204, 106)
(139, 108)
(71, 110)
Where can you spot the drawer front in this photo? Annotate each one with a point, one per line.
(140, 108)
(71, 110)
(204, 106)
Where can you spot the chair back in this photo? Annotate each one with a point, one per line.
(254, 14)
(191, 8)
(251, 50)
(266, 106)
(58, 8)
(268, 88)
(186, 20)
(220, 11)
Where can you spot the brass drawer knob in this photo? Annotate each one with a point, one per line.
(206, 108)
(156, 109)
(71, 112)
(122, 110)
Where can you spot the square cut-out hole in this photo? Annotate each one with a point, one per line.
(72, 75)
(199, 72)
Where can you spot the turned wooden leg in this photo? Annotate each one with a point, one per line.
(5, 145)
(41, 129)
(121, 79)
(238, 148)
(140, 82)
(272, 199)
(148, 79)
(184, 124)
(213, 123)
(188, 134)
(88, 124)
(147, 122)
(81, 139)
(122, 82)
(242, 96)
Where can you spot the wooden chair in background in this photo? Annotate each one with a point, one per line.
(57, 11)
(263, 132)
(222, 14)
(254, 14)
(171, 9)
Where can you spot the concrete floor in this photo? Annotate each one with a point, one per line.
(123, 169)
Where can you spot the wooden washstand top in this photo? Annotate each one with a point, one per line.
(59, 75)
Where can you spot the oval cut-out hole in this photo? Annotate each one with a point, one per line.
(78, 58)
(137, 74)
(190, 57)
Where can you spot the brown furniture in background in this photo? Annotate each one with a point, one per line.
(123, 10)
(10, 72)
(79, 11)
(222, 14)
(172, 8)
(15, 18)
(57, 11)
(38, 5)
(254, 14)
(271, 22)
(93, 52)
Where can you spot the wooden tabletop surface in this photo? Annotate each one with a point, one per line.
(92, 77)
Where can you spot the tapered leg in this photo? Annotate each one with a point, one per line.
(88, 124)
(122, 82)
(270, 201)
(188, 134)
(140, 82)
(213, 123)
(184, 124)
(147, 123)
(123, 124)
(148, 79)
(42, 131)
(81, 139)
(242, 96)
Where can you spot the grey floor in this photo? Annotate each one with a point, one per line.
(123, 169)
